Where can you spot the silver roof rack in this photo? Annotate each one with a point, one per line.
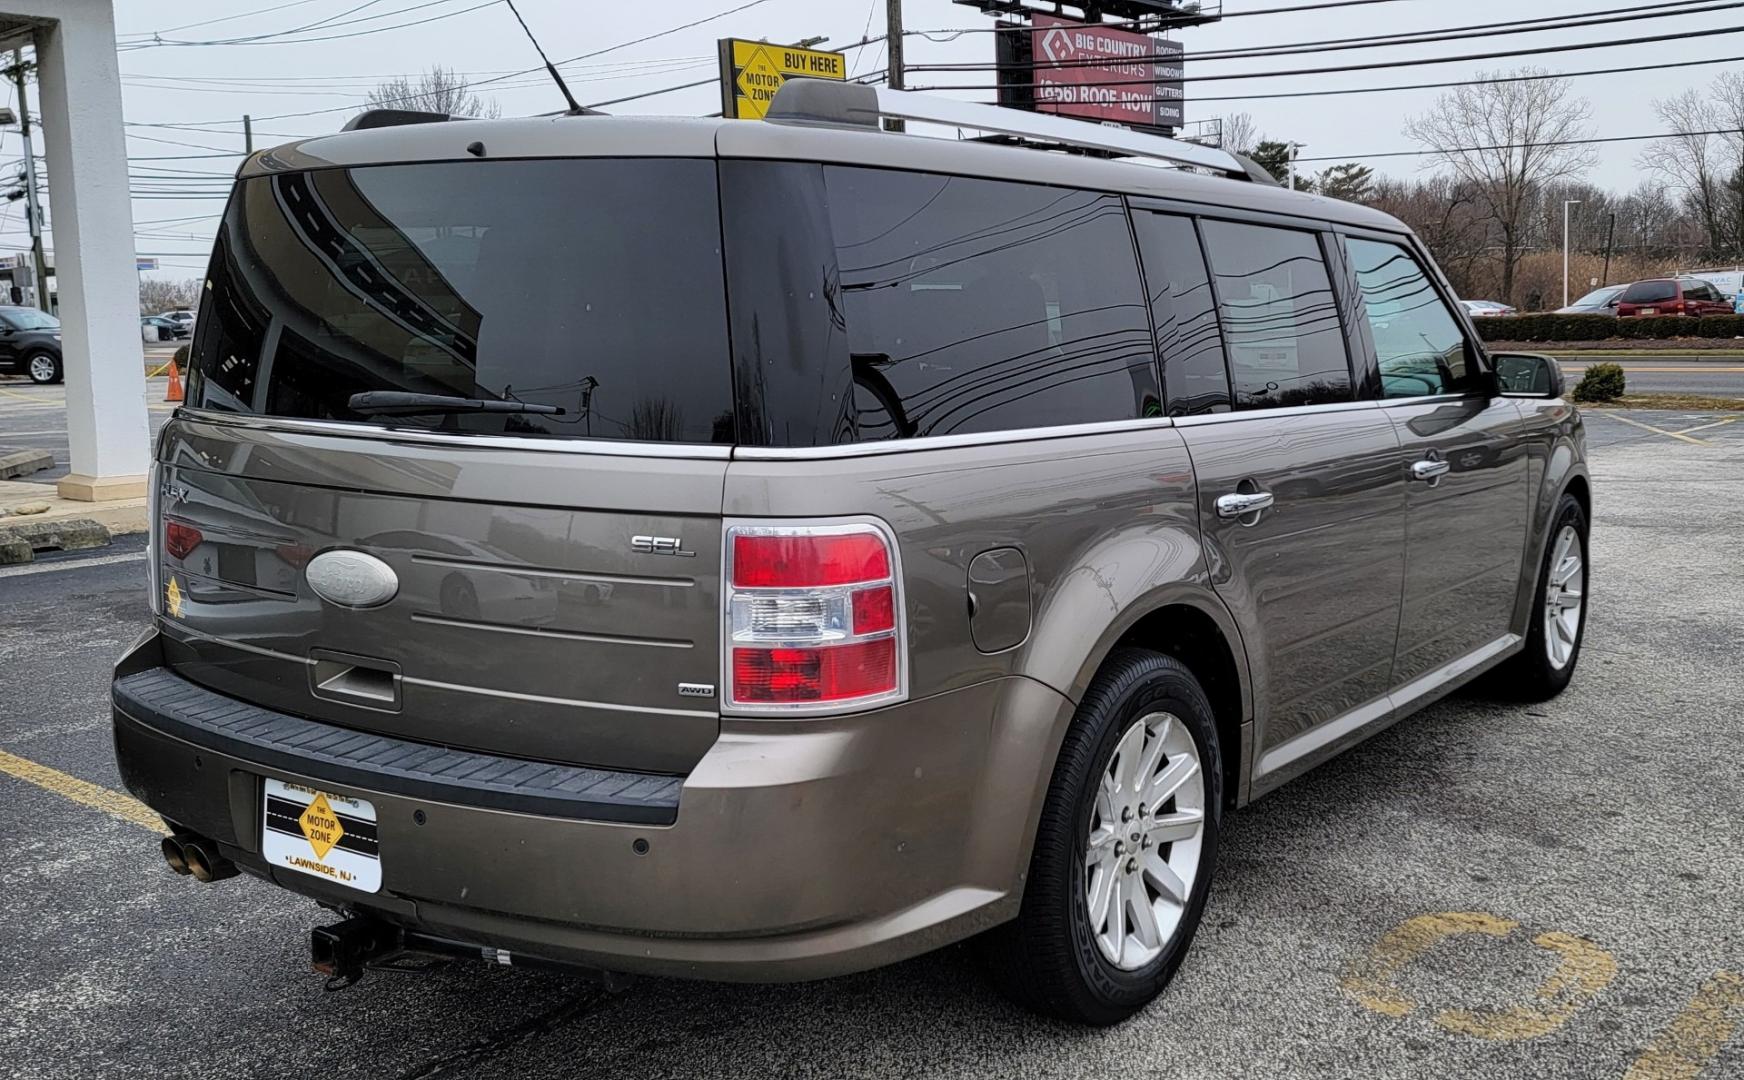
(816, 101)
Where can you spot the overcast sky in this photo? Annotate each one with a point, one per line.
(211, 86)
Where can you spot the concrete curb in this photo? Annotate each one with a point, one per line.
(16, 463)
(20, 543)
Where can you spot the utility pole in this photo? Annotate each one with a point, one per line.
(1566, 203)
(893, 45)
(248, 133)
(1293, 147)
(1610, 233)
(32, 208)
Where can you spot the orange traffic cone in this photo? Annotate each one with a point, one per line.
(174, 393)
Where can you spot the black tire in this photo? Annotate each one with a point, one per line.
(30, 365)
(1047, 959)
(1530, 675)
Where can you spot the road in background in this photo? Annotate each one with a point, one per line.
(35, 418)
(1711, 377)
(1486, 889)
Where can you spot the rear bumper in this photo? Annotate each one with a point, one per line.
(798, 849)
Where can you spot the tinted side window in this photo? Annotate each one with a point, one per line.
(1194, 376)
(976, 305)
(1650, 292)
(1286, 344)
(1701, 290)
(1418, 342)
(790, 346)
(225, 358)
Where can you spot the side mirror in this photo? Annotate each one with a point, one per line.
(1527, 375)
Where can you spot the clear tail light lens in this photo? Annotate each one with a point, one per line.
(814, 619)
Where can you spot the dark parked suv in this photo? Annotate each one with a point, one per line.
(764, 551)
(1672, 296)
(30, 344)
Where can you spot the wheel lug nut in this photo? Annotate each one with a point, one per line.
(1126, 813)
(1131, 865)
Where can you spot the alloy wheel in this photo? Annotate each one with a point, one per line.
(1564, 597)
(1146, 830)
(42, 367)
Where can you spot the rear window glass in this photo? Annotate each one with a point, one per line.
(594, 286)
(1649, 292)
(978, 305)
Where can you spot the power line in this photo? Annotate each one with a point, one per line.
(317, 24)
(501, 78)
(1419, 37)
(1378, 65)
(637, 41)
(267, 39)
(1520, 146)
(222, 18)
(1537, 77)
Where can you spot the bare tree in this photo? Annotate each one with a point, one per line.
(160, 294)
(1704, 171)
(1239, 132)
(439, 90)
(1503, 141)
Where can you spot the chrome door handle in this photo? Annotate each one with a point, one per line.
(1234, 506)
(1428, 470)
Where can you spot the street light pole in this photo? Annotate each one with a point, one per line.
(1294, 147)
(1566, 203)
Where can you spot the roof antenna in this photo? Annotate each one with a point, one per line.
(575, 107)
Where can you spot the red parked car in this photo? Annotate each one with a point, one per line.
(1672, 296)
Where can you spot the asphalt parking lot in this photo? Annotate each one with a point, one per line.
(35, 418)
(1483, 890)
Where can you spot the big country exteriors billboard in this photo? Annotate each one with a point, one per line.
(1106, 73)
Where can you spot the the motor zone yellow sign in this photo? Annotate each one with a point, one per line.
(751, 72)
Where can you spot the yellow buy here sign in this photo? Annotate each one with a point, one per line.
(751, 72)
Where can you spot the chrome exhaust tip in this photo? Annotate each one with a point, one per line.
(174, 856)
(204, 861)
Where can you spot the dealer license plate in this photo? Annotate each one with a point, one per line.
(320, 833)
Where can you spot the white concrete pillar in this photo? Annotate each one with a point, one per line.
(86, 150)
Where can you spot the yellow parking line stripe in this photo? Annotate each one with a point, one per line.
(125, 807)
(1694, 1039)
(1650, 427)
(1704, 427)
(21, 397)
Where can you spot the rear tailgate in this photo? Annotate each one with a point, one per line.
(526, 622)
(559, 326)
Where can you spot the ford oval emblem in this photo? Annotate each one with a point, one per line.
(353, 579)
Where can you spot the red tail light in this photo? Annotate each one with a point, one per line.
(814, 618)
(180, 538)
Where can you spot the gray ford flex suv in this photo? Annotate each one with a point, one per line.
(763, 551)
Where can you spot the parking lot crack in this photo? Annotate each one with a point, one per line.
(490, 1045)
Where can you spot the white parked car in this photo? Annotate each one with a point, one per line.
(1482, 308)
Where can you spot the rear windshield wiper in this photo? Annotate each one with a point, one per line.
(405, 403)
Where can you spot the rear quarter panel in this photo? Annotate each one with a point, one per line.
(1556, 449)
(1107, 523)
